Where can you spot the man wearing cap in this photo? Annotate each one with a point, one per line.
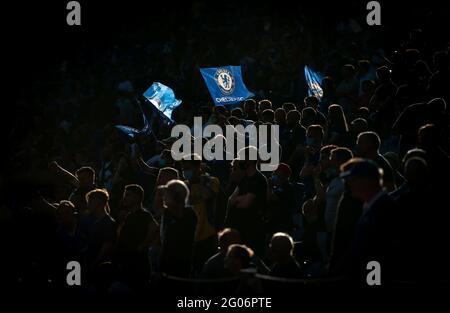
(281, 200)
(374, 233)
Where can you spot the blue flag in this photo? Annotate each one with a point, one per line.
(314, 80)
(163, 99)
(225, 84)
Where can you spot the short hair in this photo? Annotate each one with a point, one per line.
(363, 112)
(250, 102)
(360, 122)
(349, 67)
(233, 120)
(364, 63)
(227, 235)
(315, 127)
(241, 252)
(415, 152)
(416, 161)
(169, 170)
(136, 189)
(178, 190)
(86, 169)
(294, 112)
(220, 109)
(313, 99)
(280, 110)
(237, 112)
(342, 154)
(265, 101)
(269, 113)
(98, 194)
(289, 106)
(373, 139)
(284, 243)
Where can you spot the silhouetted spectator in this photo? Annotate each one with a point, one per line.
(281, 249)
(375, 232)
(178, 224)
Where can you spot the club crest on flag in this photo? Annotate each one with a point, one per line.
(225, 80)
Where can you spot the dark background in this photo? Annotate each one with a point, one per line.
(37, 36)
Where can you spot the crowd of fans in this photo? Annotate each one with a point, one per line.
(361, 177)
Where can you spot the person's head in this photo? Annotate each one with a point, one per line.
(165, 175)
(228, 237)
(249, 106)
(363, 177)
(268, 116)
(252, 115)
(311, 101)
(289, 106)
(336, 117)
(338, 156)
(293, 118)
(281, 247)
(324, 158)
(314, 135)
(383, 74)
(176, 194)
(97, 201)
(86, 176)
(363, 112)
(238, 257)
(133, 196)
(281, 174)
(280, 116)
(233, 120)
(367, 144)
(237, 112)
(221, 110)
(358, 125)
(416, 173)
(415, 152)
(191, 166)
(429, 136)
(348, 71)
(308, 116)
(264, 105)
(66, 214)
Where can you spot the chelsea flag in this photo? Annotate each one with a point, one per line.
(225, 84)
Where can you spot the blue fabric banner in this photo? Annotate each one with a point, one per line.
(225, 84)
